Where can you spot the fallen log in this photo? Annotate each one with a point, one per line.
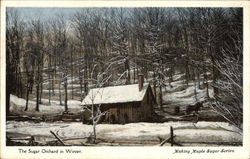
(190, 117)
(57, 138)
(28, 141)
(22, 118)
(165, 141)
(27, 138)
(74, 138)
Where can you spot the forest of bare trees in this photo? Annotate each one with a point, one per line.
(112, 45)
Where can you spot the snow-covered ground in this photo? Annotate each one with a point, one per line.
(183, 95)
(178, 94)
(57, 92)
(18, 106)
(184, 131)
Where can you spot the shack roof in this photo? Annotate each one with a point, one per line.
(115, 94)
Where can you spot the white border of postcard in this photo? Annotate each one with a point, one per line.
(241, 152)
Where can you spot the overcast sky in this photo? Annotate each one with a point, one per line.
(43, 13)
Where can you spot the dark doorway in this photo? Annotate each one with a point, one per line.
(125, 118)
(112, 119)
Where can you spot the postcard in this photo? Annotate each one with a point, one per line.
(125, 79)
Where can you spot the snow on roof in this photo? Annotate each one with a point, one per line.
(115, 94)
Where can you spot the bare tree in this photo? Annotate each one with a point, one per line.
(154, 29)
(14, 47)
(120, 38)
(229, 100)
(199, 42)
(28, 63)
(93, 108)
(63, 54)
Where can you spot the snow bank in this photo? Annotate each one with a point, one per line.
(53, 102)
(201, 131)
(18, 106)
(185, 96)
(62, 92)
(70, 80)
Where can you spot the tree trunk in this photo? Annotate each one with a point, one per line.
(27, 94)
(86, 88)
(7, 100)
(213, 69)
(20, 82)
(134, 74)
(81, 88)
(49, 73)
(84, 79)
(198, 78)
(72, 75)
(49, 91)
(160, 96)
(60, 94)
(16, 82)
(41, 90)
(32, 80)
(37, 88)
(187, 73)
(187, 54)
(154, 86)
(94, 133)
(205, 76)
(41, 81)
(195, 91)
(66, 94)
(127, 68)
(54, 77)
(93, 122)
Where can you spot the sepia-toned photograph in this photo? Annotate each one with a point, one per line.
(124, 76)
(132, 79)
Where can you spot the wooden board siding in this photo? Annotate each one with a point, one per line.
(135, 111)
(147, 105)
(127, 109)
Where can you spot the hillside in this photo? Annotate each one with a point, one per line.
(175, 94)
